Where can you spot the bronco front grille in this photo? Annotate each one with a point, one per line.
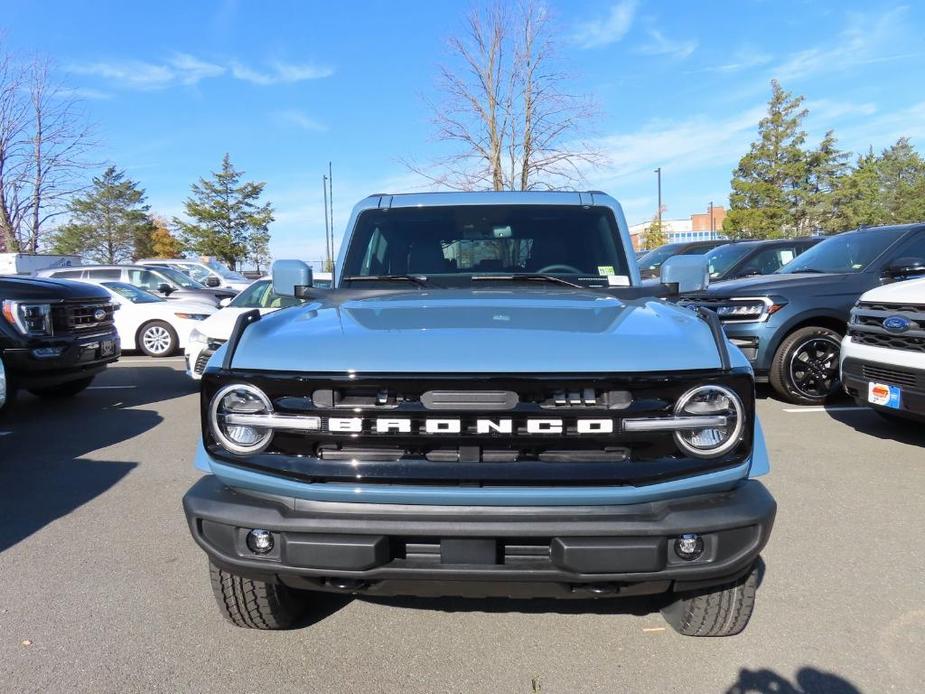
(553, 433)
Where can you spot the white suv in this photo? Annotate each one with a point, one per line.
(210, 273)
(883, 354)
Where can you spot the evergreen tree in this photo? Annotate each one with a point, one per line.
(227, 218)
(826, 170)
(106, 221)
(901, 176)
(769, 183)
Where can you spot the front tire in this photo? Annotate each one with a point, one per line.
(804, 370)
(719, 611)
(63, 390)
(158, 339)
(255, 604)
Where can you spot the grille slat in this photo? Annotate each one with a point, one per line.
(866, 326)
(81, 317)
(899, 377)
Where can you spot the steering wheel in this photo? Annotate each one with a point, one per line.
(560, 268)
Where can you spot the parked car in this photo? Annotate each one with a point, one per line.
(214, 331)
(790, 323)
(477, 408)
(150, 324)
(161, 281)
(55, 336)
(749, 258)
(210, 273)
(883, 354)
(650, 263)
(28, 263)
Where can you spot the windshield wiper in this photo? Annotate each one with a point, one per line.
(420, 280)
(527, 278)
(807, 269)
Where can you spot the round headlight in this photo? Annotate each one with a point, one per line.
(710, 401)
(242, 399)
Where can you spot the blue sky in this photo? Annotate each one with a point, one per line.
(286, 86)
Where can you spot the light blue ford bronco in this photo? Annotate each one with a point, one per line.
(487, 403)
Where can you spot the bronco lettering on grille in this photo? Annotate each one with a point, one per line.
(459, 425)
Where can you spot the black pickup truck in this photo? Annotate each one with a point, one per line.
(55, 336)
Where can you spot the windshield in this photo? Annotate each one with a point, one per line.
(225, 272)
(721, 259)
(260, 295)
(132, 293)
(456, 243)
(653, 259)
(851, 252)
(178, 278)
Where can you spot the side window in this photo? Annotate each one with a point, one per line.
(67, 274)
(104, 274)
(144, 279)
(768, 260)
(913, 248)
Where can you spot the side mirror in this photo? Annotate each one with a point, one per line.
(213, 281)
(905, 268)
(164, 288)
(688, 272)
(224, 302)
(291, 278)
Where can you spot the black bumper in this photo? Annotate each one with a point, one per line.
(80, 358)
(389, 549)
(857, 374)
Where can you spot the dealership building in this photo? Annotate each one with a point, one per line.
(697, 227)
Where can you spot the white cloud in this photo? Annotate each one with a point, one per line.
(610, 29)
(863, 41)
(742, 59)
(280, 73)
(300, 120)
(659, 44)
(188, 70)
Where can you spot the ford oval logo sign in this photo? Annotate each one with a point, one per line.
(897, 324)
(99, 314)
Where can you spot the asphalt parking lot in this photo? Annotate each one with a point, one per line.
(102, 589)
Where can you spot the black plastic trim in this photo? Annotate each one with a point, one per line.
(240, 325)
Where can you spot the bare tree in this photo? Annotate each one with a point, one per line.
(44, 143)
(506, 107)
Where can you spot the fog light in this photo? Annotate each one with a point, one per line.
(689, 546)
(260, 541)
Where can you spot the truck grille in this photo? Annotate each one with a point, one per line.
(81, 317)
(512, 450)
(899, 377)
(867, 326)
(203, 359)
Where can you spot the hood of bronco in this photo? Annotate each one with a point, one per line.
(555, 330)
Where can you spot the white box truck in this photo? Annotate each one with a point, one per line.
(28, 263)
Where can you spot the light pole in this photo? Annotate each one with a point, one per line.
(712, 226)
(658, 172)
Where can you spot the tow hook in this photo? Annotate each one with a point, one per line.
(596, 588)
(345, 584)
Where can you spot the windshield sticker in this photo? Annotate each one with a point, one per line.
(605, 270)
(618, 281)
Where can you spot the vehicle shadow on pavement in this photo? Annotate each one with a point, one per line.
(638, 606)
(47, 466)
(870, 423)
(808, 681)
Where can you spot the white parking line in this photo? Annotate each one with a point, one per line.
(109, 387)
(822, 408)
(150, 362)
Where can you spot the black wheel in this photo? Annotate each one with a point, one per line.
(804, 370)
(255, 604)
(719, 611)
(157, 339)
(64, 390)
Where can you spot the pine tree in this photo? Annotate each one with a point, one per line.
(106, 221)
(655, 234)
(826, 170)
(768, 184)
(227, 219)
(901, 175)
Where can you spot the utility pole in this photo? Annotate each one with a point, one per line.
(712, 226)
(658, 171)
(327, 243)
(331, 203)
